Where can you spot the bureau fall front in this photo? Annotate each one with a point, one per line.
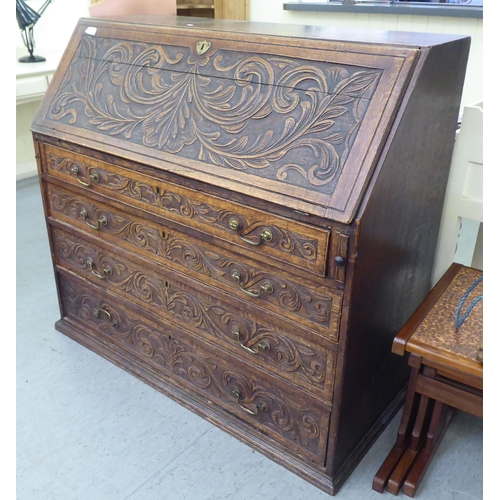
(244, 215)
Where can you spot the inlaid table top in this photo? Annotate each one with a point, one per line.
(444, 340)
(433, 333)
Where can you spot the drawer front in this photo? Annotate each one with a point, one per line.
(248, 229)
(282, 413)
(280, 292)
(199, 309)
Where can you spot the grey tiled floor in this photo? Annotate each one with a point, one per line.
(87, 430)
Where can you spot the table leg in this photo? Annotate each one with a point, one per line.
(417, 440)
(403, 437)
(441, 418)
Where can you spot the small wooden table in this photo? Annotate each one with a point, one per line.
(446, 374)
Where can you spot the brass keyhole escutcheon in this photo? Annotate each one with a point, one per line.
(203, 46)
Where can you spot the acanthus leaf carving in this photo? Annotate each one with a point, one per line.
(273, 116)
(294, 420)
(185, 309)
(284, 239)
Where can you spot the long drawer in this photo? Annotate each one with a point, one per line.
(250, 230)
(262, 339)
(282, 413)
(315, 306)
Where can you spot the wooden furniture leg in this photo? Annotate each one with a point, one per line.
(441, 418)
(417, 440)
(445, 377)
(403, 438)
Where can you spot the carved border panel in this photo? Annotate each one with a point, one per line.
(288, 120)
(305, 250)
(286, 416)
(309, 364)
(320, 307)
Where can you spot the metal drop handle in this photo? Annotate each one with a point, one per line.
(112, 321)
(262, 346)
(106, 270)
(101, 221)
(265, 288)
(93, 177)
(266, 235)
(259, 408)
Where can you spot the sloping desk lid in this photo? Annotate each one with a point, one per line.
(290, 119)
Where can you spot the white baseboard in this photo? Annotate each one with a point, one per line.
(25, 170)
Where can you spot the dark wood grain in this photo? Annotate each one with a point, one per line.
(246, 229)
(397, 233)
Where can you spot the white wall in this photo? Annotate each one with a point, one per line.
(55, 27)
(52, 34)
(272, 11)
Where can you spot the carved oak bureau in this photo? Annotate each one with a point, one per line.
(244, 215)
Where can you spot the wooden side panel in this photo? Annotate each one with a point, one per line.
(396, 241)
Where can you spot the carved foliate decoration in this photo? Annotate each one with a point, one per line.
(290, 297)
(283, 119)
(202, 313)
(285, 240)
(290, 416)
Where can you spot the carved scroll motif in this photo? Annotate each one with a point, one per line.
(299, 299)
(283, 119)
(292, 419)
(142, 340)
(199, 313)
(284, 239)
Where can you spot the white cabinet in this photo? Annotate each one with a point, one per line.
(461, 233)
(31, 88)
(32, 81)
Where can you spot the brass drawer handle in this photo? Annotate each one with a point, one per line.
(101, 221)
(93, 177)
(266, 235)
(107, 270)
(262, 346)
(258, 408)
(265, 288)
(112, 321)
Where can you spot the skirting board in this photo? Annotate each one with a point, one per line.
(25, 170)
